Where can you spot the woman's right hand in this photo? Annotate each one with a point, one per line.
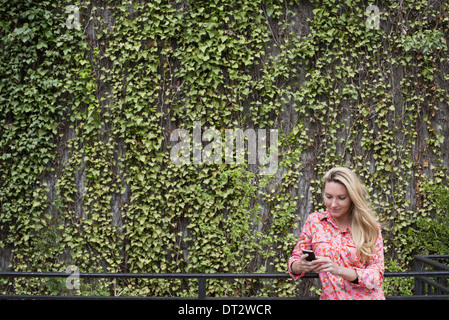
(302, 265)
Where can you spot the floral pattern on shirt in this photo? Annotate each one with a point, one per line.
(321, 234)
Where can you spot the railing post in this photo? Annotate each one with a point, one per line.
(417, 266)
(201, 288)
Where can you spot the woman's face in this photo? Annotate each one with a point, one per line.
(336, 199)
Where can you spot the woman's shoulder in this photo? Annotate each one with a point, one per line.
(317, 216)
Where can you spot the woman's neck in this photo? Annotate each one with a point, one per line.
(343, 222)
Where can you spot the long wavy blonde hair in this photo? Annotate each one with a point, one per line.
(364, 224)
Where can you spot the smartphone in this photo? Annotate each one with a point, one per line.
(311, 256)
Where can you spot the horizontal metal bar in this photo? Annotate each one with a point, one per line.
(429, 260)
(411, 274)
(151, 275)
(5, 274)
(432, 256)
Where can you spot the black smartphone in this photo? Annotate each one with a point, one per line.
(311, 256)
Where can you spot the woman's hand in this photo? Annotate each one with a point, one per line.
(325, 264)
(302, 265)
(322, 264)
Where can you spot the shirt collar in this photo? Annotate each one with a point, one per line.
(326, 215)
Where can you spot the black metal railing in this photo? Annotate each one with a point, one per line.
(425, 287)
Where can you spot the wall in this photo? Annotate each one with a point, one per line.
(87, 114)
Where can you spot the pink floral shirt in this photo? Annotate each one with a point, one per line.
(321, 234)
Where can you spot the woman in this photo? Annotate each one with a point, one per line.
(346, 241)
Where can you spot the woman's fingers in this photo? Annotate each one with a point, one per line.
(325, 264)
(321, 264)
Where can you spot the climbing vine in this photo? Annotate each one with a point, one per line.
(91, 92)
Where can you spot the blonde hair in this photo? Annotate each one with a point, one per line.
(364, 224)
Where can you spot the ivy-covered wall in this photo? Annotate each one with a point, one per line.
(91, 92)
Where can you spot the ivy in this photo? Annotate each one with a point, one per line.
(87, 112)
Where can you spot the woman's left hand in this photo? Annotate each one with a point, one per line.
(327, 265)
